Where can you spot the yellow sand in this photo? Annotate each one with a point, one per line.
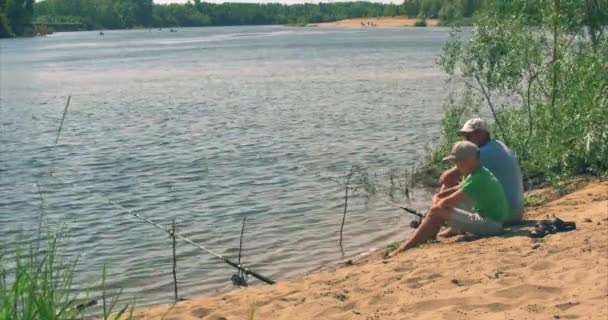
(563, 276)
(382, 22)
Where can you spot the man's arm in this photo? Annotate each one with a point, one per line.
(452, 200)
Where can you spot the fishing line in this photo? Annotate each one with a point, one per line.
(238, 266)
(242, 269)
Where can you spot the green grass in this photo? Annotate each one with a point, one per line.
(534, 200)
(36, 284)
(392, 247)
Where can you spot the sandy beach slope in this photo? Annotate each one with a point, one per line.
(563, 276)
(382, 22)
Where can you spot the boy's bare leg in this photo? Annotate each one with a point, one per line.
(449, 183)
(428, 230)
(448, 232)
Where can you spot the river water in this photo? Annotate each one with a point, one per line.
(206, 126)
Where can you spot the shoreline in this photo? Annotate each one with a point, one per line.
(377, 22)
(560, 276)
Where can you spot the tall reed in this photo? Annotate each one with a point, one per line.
(37, 284)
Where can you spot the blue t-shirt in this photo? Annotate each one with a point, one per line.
(501, 161)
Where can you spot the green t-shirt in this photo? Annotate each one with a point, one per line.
(488, 197)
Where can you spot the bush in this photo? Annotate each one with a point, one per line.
(41, 30)
(542, 79)
(420, 23)
(450, 13)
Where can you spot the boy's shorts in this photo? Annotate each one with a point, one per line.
(474, 223)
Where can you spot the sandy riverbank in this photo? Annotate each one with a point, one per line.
(382, 22)
(563, 276)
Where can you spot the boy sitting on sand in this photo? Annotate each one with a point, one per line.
(490, 209)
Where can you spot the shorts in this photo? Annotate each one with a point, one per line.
(474, 223)
(518, 215)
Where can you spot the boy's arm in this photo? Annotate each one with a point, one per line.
(448, 191)
(452, 200)
(450, 176)
(440, 195)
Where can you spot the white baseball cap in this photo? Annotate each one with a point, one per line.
(474, 125)
(463, 150)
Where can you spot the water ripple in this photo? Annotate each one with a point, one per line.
(207, 126)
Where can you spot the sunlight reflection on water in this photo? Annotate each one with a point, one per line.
(207, 125)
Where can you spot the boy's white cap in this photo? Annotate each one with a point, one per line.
(463, 150)
(474, 125)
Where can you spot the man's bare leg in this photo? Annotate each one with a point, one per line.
(428, 230)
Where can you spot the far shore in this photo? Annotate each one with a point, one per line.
(380, 22)
(561, 276)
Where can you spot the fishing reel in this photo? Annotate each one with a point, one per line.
(239, 279)
(416, 223)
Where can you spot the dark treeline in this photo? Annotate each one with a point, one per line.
(119, 14)
(449, 11)
(17, 17)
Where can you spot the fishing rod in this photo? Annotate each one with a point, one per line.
(415, 223)
(404, 208)
(229, 262)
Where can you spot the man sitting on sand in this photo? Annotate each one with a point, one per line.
(499, 159)
(489, 204)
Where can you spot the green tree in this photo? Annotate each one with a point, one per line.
(15, 16)
(411, 7)
(144, 12)
(450, 13)
(541, 70)
(469, 7)
(430, 8)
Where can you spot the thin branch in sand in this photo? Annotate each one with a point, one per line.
(41, 217)
(65, 111)
(174, 263)
(241, 240)
(346, 188)
(412, 180)
(407, 189)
